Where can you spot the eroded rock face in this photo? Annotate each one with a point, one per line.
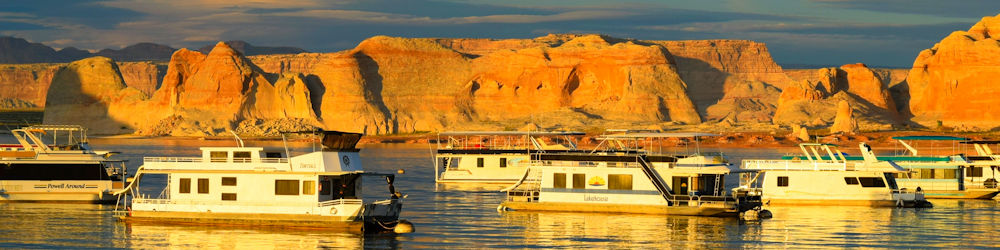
(393, 85)
(954, 82)
(813, 100)
(844, 121)
(27, 83)
(729, 78)
(87, 92)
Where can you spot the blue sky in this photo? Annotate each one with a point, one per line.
(821, 32)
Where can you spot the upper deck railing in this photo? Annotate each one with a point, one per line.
(214, 160)
(795, 165)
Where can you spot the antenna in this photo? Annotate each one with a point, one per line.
(238, 140)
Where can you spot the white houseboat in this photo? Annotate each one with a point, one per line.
(255, 186)
(629, 182)
(951, 176)
(815, 181)
(493, 157)
(54, 163)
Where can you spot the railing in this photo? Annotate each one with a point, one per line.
(248, 203)
(793, 165)
(216, 160)
(339, 202)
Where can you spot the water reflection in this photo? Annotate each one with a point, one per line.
(147, 236)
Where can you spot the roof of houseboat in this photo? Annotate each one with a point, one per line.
(658, 135)
(538, 133)
(930, 138)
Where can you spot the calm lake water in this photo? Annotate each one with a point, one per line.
(466, 216)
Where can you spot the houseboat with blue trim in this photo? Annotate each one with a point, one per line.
(951, 176)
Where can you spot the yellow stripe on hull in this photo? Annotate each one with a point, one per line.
(614, 208)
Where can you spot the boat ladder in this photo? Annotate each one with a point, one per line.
(653, 176)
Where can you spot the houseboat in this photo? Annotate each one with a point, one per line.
(493, 157)
(629, 182)
(938, 176)
(263, 187)
(54, 163)
(836, 182)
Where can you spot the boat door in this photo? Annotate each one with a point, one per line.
(680, 185)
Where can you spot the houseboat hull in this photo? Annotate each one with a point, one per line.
(371, 218)
(869, 203)
(75, 191)
(621, 208)
(964, 194)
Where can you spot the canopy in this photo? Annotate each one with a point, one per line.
(930, 138)
(538, 133)
(657, 135)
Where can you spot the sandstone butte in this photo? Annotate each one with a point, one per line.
(954, 82)
(398, 85)
(813, 100)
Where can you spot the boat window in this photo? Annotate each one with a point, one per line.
(228, 196)
(229, 181)
(974, 172)
(926, 173)
(871, 182)
(620, 181)
(949, 173)
(851, 180)
(503, 162)
(241, 156)
(579, 181)
(308, 187)
(185, 187)
(559, 180)
(782, 181)
(480, 163)
(272, 154)
(219, 156)
(286, 187)
(202, 186)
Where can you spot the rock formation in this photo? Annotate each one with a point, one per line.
(844, 122)
(394, 85)
(249, 50)
(729, 77)
(806, 101)
(88, 92)
(954, 81)
(26, 82)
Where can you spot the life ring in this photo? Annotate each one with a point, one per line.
(333, 210)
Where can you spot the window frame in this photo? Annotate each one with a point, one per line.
(184, 185)
(228, 181)
(559, 180)
(224, 196)
(580, 183)
(203, 186)
(616, 182)
(284, 189)
(783, 181)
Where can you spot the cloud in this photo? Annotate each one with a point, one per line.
(961, 9)
(379, 17)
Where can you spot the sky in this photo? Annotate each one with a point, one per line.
(807, 32)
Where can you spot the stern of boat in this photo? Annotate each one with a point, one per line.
(910, 199)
